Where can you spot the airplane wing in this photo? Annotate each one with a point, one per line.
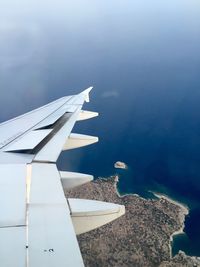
(38, 224)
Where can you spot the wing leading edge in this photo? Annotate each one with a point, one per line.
(38, 225)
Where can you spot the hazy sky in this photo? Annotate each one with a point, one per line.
(51, 48)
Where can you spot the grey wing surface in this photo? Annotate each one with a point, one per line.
(38, 224)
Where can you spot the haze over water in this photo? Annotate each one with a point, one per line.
(143, 59)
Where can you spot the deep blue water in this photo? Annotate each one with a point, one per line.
(143, 59)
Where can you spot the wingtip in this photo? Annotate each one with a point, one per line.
(86, 93)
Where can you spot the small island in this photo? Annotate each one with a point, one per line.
(120, 165)
(140, 238)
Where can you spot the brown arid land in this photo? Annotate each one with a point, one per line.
(140, 238)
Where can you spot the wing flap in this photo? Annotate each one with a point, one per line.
(51, 237)
(13, 247)
(12, 129)
(29, 141)
(45, 184)
(12, 195)
(52, 150)
(50, 120)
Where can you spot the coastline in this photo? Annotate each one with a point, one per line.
(185, 212)
(179, 232)
(116, 180)
(149, 224)
(184, 209)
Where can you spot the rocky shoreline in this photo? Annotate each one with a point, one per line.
(184, 212)
(140, 238)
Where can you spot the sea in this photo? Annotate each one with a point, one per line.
(143, 60)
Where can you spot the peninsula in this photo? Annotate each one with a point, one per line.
(140, 238)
